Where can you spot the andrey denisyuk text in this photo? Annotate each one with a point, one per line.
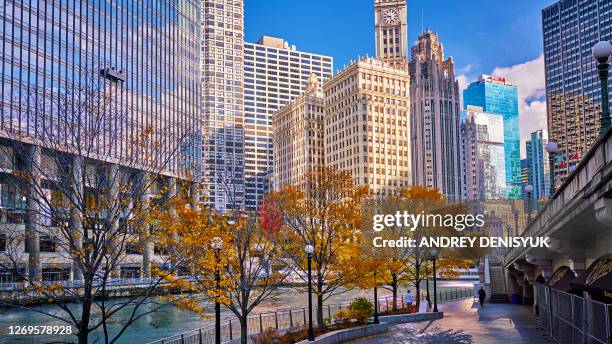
(457, 221)
(459, 242)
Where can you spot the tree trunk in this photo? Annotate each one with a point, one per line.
(417, 284)
(320, 301)
(83, 325)
(244, 333)
(394, 289)
(320, 321)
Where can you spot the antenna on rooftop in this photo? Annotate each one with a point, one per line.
(422, 29)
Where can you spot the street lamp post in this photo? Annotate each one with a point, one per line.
(376, 321)
(433, 256)
(528, 191)
(309, 249)
(601, 52)
(515, 212)
(427, 283)
(217, 245)
(552, 148)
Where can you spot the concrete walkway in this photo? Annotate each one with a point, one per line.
(465, 322)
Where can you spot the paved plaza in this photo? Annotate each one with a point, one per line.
(465, 322)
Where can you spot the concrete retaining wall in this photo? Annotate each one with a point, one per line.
(342, 336)
(408, 318)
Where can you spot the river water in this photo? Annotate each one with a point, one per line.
(170, 320)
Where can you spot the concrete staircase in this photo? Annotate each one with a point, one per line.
(495, 281)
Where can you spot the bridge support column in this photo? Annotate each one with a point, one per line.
(577, 265)
(33, 164)
(145, 239)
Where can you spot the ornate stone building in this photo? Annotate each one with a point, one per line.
(434, 94)
(298, 137)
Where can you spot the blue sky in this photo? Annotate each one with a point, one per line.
(499, 37)
(479, 34)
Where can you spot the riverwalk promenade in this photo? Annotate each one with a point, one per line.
(465, 322)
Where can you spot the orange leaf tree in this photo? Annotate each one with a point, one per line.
(324, 212)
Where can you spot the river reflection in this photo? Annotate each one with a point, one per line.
(170, 320)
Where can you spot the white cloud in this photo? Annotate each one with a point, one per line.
(529, 77)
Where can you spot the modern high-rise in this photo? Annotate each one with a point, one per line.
(275, 73)
(497, 96)
(391, 32)
(124, 76)
(222, 103)
(538, 165)
(484, 154)
(434, 120)
(573, 98)
(367, 125)
(298, 137)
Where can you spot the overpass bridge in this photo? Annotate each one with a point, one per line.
(578, 219)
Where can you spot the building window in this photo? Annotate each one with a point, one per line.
(55, 274)
(133, 248)
(47, 244)
(130, 272)
(2, 242)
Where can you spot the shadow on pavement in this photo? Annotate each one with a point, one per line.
(446, 337)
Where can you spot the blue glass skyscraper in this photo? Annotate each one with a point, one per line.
(495, 95)
(537, 164)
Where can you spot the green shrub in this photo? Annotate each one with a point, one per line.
(362, 305)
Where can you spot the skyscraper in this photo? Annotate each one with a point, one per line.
(222, 103)
(298, 137)
(125, 77)
(538, 165)
(497, 96)
(40, 69)
(573, 98)
(391, 32)
(484, 152)
(275, 73)
(367, 126)
(434, 119)
(367, 107)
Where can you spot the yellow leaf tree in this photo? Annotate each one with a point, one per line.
(325, 213)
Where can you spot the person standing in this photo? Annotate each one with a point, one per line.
(408, 298)
(481, 296)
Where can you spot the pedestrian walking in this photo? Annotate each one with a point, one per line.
(481, 296)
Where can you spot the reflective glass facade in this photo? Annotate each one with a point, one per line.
(496, 96)
(144, 55)
(537, 164)
(573, 95)
(484, 154)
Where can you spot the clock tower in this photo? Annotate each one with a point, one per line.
(391, 32)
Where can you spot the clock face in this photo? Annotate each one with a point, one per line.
(390, 16)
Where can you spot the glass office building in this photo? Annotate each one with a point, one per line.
(495, 95)
(142, 57)
(537, 164)
(570, 29)
(275, 73)
(484, 152)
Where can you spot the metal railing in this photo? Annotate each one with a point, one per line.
(569, 318)
(291, 318)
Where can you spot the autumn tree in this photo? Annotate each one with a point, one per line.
(411, 264)
(88, 179)
(325, 213)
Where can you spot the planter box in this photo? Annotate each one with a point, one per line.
(342, 336)
(408, 318)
